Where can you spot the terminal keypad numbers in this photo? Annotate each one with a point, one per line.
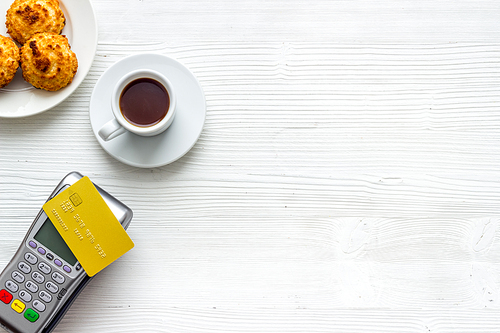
(34, 281)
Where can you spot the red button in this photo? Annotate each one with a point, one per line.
(5, 296)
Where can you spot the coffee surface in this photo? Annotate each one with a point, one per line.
(144, 102)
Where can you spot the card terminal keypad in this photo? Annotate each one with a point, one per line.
(32, 281)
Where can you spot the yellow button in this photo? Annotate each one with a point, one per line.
(18, 306)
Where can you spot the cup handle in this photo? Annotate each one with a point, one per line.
(111, 130)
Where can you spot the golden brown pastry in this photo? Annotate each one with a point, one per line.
(48, 62)
(26, 18)
(9, 60)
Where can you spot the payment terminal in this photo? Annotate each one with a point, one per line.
(44, 278)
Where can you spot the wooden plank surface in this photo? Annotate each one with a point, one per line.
(346, 180)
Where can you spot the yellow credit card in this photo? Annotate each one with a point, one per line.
(88, 226)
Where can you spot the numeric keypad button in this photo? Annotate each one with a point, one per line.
(11, 286)
(39, 305)
(52, 287)
(44, 268)
(17, 276)
(24, 267)
(45, 296)
(25, 296)
(31, 258)
(39, 278)
(31, 286)
(58, 277)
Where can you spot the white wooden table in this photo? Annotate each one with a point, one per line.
(347, 178)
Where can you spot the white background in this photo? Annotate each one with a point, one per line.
(347, 178)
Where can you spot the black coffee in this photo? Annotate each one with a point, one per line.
(144, 102)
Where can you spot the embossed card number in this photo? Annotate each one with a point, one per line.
(88, 226)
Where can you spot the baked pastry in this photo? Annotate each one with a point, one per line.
(9, 60)
(48, 62)
(26, 18)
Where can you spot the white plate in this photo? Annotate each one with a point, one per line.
(21, 99)
(177, 140)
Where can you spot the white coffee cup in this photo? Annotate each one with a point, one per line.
(119, 124)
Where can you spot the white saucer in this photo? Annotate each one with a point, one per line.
(177, 140)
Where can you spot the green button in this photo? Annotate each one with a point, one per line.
(31, 315)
